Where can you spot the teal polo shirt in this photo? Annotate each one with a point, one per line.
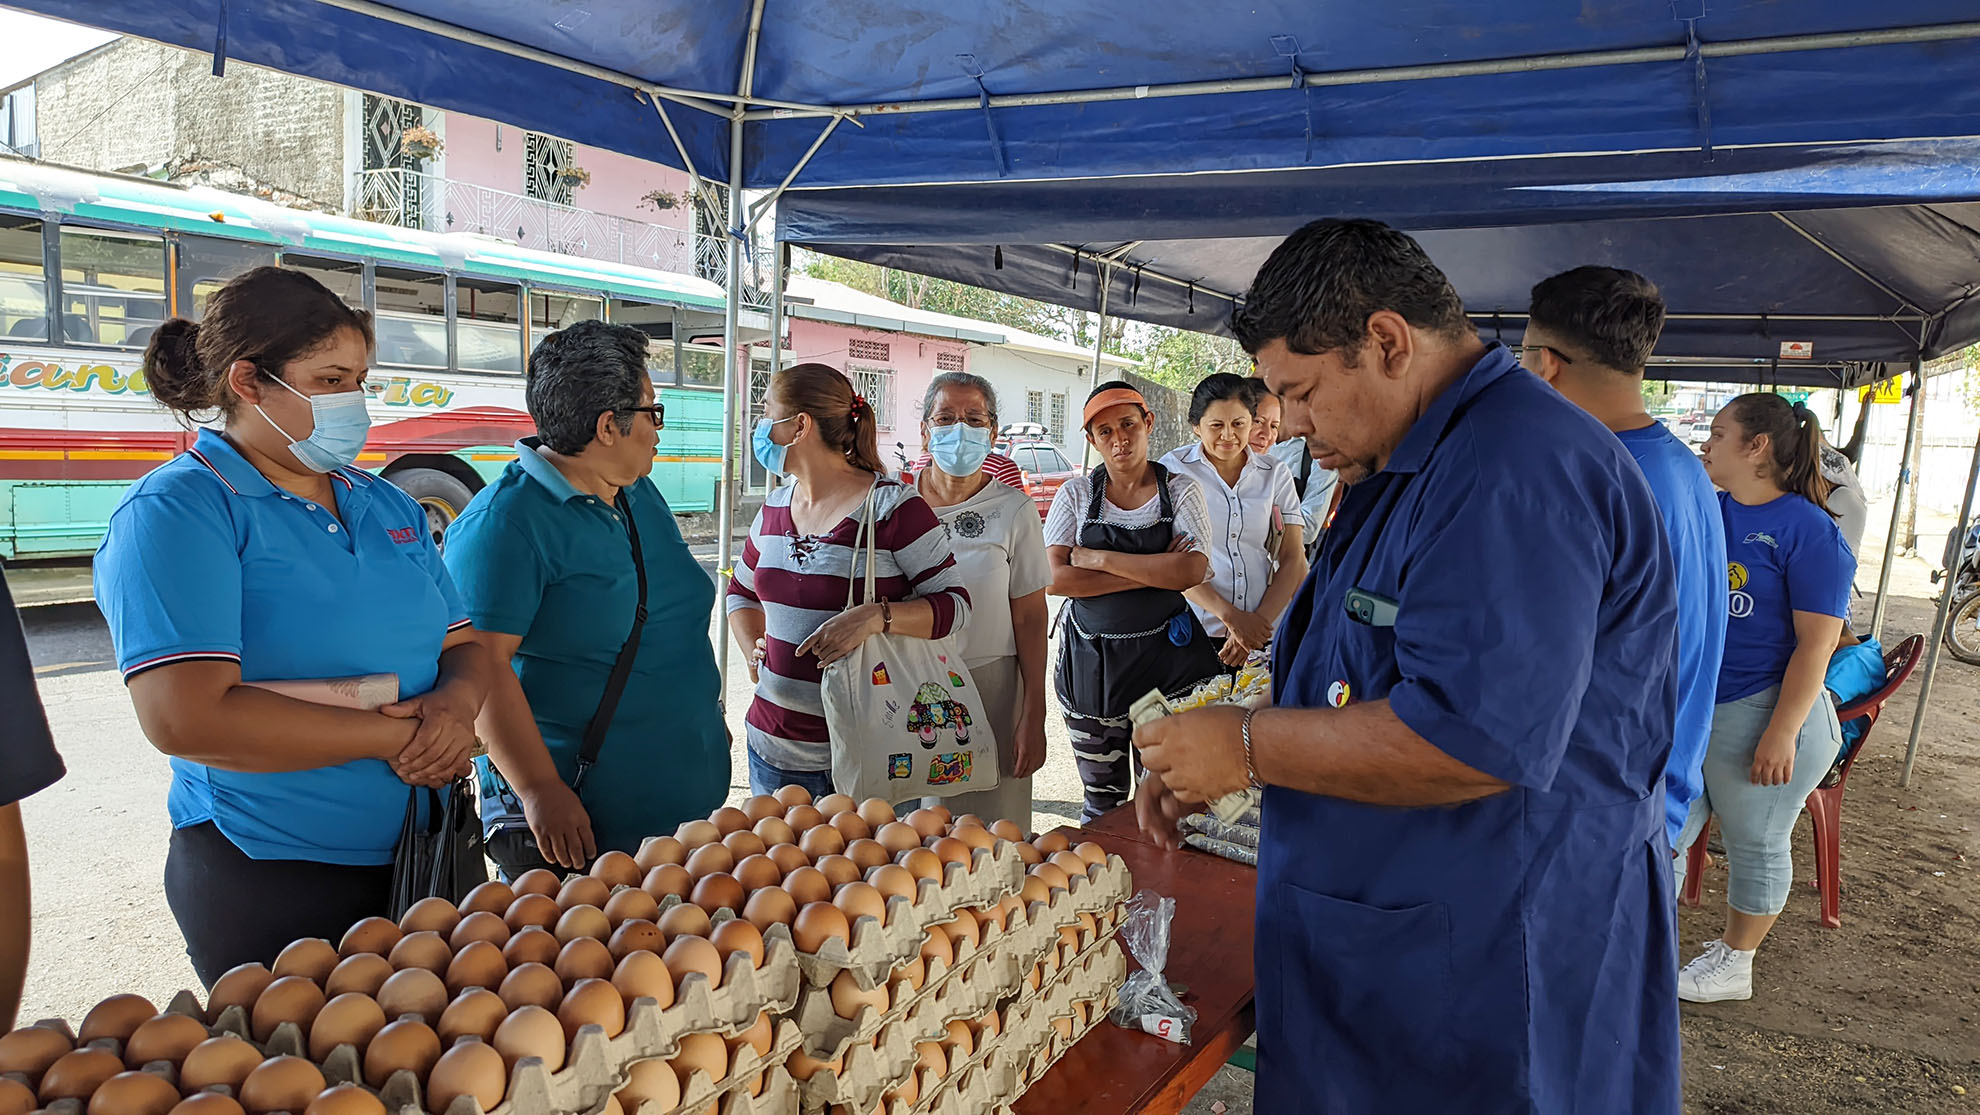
(538, 558)
(205, 559)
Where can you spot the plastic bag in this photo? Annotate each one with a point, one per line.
(1146, 1003)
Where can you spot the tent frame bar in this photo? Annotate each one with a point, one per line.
(1938, 635)
(1846, 262)
(1891, 319)
(1897, 499)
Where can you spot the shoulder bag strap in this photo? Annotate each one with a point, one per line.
(1305, 470)
(615, 685)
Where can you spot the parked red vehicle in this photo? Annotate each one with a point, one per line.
(1044, 465)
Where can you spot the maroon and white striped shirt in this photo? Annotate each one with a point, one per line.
(799, 582)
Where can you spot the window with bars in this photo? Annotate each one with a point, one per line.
(869, 350)
(948, 361)
(547, 161)
(1034, 406)
(1058, 424)
(876, 386)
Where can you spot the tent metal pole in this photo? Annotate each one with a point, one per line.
(1897, 499)
(695, 179)
(764, 203)
(1888, 319)
(732, 350)
(1100, 333)
(1938, 636)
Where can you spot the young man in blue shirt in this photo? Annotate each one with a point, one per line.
(1589, 332)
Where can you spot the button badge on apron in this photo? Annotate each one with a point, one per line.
(1338, 694)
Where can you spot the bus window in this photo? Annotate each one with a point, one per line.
(412, 318)
(701, 367)
(113, 286)
(23, 283)
(551, 310)
(207, 265)
(344, 277)
(487, 331)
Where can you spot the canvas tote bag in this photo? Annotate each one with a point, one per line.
(905, 718)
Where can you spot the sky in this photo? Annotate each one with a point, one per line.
(34, 44)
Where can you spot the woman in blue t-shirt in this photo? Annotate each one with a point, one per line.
(1774, 731)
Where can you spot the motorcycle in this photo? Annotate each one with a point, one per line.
(1963, 628)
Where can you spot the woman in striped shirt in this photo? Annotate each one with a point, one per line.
(787, 599)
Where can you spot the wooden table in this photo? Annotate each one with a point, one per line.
(1114, 1069)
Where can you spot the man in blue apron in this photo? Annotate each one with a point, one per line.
(1464, 891)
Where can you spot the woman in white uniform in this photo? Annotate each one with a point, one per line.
(1000, 552)
(1257, 538)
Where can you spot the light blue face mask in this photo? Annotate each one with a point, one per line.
(341, 423)
(768, 453)
(958, 449)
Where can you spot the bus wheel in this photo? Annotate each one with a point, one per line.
(443, 497)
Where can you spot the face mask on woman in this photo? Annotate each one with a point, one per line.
(958, 449)
(341, 424)
(768, 453)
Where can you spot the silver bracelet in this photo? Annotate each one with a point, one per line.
(1250, 767)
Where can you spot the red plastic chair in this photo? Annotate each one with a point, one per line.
(1825, 803)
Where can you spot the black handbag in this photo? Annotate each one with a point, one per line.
(441, 858)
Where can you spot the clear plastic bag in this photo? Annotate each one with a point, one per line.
(1146, 1003)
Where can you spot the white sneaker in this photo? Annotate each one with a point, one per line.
(1719, 973)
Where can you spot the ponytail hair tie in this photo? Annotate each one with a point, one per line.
(860, 405)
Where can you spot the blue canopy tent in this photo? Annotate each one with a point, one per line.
(755, 96)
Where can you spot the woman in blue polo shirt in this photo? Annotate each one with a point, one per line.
(1774, 731)
(259, 556)
(544, 557)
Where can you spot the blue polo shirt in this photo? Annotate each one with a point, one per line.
(537, 558)
(1783, 556)
(205, 559)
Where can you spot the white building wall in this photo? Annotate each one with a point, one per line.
(1016, 374)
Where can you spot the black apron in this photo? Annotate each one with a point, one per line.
(1117, 647)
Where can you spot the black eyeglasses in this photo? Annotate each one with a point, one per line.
(1558, 354)
(657, 410)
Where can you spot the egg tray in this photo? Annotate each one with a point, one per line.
(699, 1090)
(1038, 934)
(971, 1085)
(871, 1068)
(778, 1097)
(992, 875)
(1029, 1044)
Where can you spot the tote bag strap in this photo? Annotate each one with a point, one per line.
(864, 539)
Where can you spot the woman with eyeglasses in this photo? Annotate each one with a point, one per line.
(554, 559)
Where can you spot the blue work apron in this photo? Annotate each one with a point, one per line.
(1487, 957)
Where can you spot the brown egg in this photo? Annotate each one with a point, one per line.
(656, 850)
(75, 1075)
(476, 1012)
(960, 1041)
(710, 859)
(31, 1049)
(17, 1098)
(848, 998)
(838, 870)
(666, 879)
(1035, 890)
(861, 900)
(288, 999)
(1070, 862)
(531, 1032)
(349, 1019)
(413, 991)
(770, 906)
(687, 955)
(803, 818)
(821, 840)
(702, 1053)
(802, 1067)
(867, 854)
(478, 964)
(539, 910)
(374, 935)
(1064, 1026)
(582, 959)
(583, 890)
(942, 811)
(774, 830)
(718, 892)
(931, 1057)
(210, 1103)
(491, 897)
(583, 921)
(541, 881)
(915, 972)
(761, 806)
(1006, 830)
(592, 1002)
(165, 1037)
(907, 1092)
(737, 935)
(963, 932)
(118, 1017)
(807, 885)
(468, 1069)
(480, 926)
(875, 812)
(975, 836)
(403, 1046)
(617, 869)
(1092, 853)
(922, 864)
(643, 975)
(793, 795)
(926, 823)
(344, 1099)
(1008, 911)
(635, 935)
(758, 1037)
(1054, 875)
(1054, 841)
(531, 984)
(757, 872)
(424, 948)
(729, 819)
(851, 825)
(629, 904)
(653, 1084)
(533, 945)
(281, 1084)
(892, 879)
(817, 923)
(935, 946)
(134, 1093)
(312, 958)
(686, 920)
(897, 837)
(1034, 977)
(1031, 856)
(694, 834)
(949, 849)
(223, 1060)
(788, 858)
(430, 915)
(744, 844)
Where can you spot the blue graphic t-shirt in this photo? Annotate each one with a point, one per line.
(1782, 557)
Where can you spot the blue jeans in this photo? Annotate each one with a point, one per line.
(1757, 822)
(766, 779)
